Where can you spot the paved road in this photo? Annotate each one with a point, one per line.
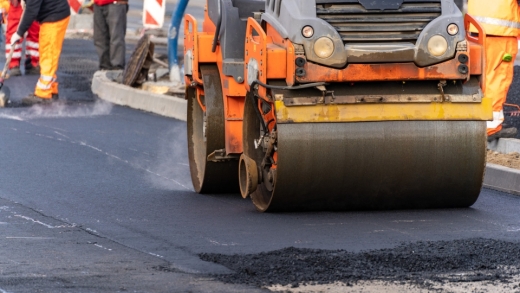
(97, 198)
(102, 189)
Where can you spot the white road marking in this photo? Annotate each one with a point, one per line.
(91, 230)
(61, 134)
(133, 164)
(101, 246)
(35, 221)
(155, 255)
(214, 242)
(40, 238)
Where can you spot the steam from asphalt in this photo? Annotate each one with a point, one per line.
(60, 110)
(170, 170)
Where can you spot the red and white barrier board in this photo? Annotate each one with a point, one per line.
(153, 13)
(75, 6)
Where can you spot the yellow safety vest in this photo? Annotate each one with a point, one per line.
(4, 5)
(497, 17)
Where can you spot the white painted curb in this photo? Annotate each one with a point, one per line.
(108, 90)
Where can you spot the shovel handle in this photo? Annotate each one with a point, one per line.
(6, 66)
(8, 60)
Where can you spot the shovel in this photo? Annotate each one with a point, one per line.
(4, 90)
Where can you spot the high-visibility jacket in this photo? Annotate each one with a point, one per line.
(4, 5)
(497, 17)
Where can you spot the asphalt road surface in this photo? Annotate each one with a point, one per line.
(98, 198)
(94, 196)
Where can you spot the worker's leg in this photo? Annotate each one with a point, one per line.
(32, 55)
(499, 75)
(117, 28)
(13, 19)
(51, 42)
(101, 36)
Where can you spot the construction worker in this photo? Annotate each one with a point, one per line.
(53, 16)
(501, 22)
(109, 33)
(32, 56)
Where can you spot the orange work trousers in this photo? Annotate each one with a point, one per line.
(499, 76)
(51, 43)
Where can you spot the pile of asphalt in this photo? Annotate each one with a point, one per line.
(420, 263)
(513, 97)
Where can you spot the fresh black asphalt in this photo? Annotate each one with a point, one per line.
(91, 191)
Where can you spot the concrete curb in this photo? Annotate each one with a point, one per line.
(108, 90)
(505, 145)
(502, 179)
(499, 177)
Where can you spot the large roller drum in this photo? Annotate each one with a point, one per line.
(206, 135)
(370, 165)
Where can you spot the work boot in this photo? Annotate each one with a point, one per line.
(34, 100)
(15, 71)
(31, 70)
(509, 132)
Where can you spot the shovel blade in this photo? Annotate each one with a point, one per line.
(4, 96)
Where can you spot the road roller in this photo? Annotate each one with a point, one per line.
(336, 105)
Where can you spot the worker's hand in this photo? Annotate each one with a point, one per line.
(14, 39)
(23, 4)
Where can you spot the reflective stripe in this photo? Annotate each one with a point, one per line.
(498, 119)
(16, 47)
(32, 44)
(16, 55)
(33, 53)
(46, 78)
(43, 86)
(497, 21)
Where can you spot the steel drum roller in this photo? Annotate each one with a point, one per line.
(373, 165)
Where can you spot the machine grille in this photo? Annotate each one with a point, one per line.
(356, 24)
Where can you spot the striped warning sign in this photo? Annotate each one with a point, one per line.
(75, 6)
(153, 13)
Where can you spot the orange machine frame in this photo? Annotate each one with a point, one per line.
(276, 59)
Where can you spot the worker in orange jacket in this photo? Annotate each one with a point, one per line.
(53, 16)
(32, 57)
(501, 21)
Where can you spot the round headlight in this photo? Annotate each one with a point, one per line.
(323, 47)
(453, 29)
(307, 31)
(437, 45)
